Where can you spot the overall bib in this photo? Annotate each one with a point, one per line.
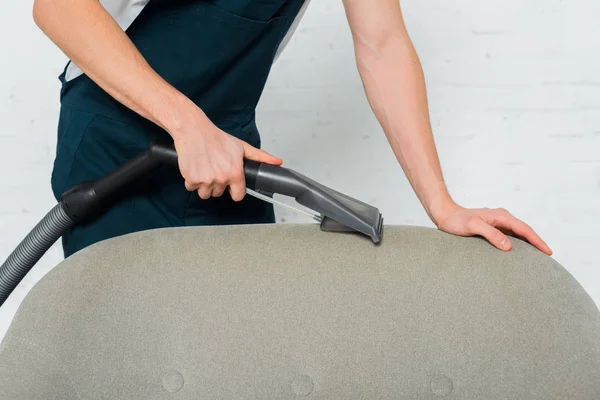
(216, 52)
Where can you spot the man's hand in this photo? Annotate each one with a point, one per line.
(211, 160)
(395, 87)
(493, 224)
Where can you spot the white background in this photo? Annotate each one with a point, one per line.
(514, 91)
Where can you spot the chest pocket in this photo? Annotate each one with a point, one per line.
(259, 10)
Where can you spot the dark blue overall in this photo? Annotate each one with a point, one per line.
(219, 54)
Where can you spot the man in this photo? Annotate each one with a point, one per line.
(193, 71)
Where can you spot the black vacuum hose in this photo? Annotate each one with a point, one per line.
(32, 248)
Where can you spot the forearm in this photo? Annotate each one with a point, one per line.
(395, 87)
(92, 39)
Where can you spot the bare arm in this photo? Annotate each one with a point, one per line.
(395, 86)
(209, 159)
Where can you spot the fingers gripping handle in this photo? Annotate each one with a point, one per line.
(260, 176)
(166, 154)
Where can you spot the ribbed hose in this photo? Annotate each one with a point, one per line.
(31, 249)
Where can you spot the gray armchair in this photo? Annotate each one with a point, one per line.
(289, 312)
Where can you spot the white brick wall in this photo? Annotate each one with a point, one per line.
(514, 96)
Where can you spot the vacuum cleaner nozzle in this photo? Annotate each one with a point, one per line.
(339, 212)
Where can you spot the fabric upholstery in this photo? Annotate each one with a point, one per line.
(288, 312)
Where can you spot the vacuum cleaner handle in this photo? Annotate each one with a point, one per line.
(84, 199)
(264, 177)
(258, 175)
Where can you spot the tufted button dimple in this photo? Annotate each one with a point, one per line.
(441, 385)
(172, 381)
(302, 385)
